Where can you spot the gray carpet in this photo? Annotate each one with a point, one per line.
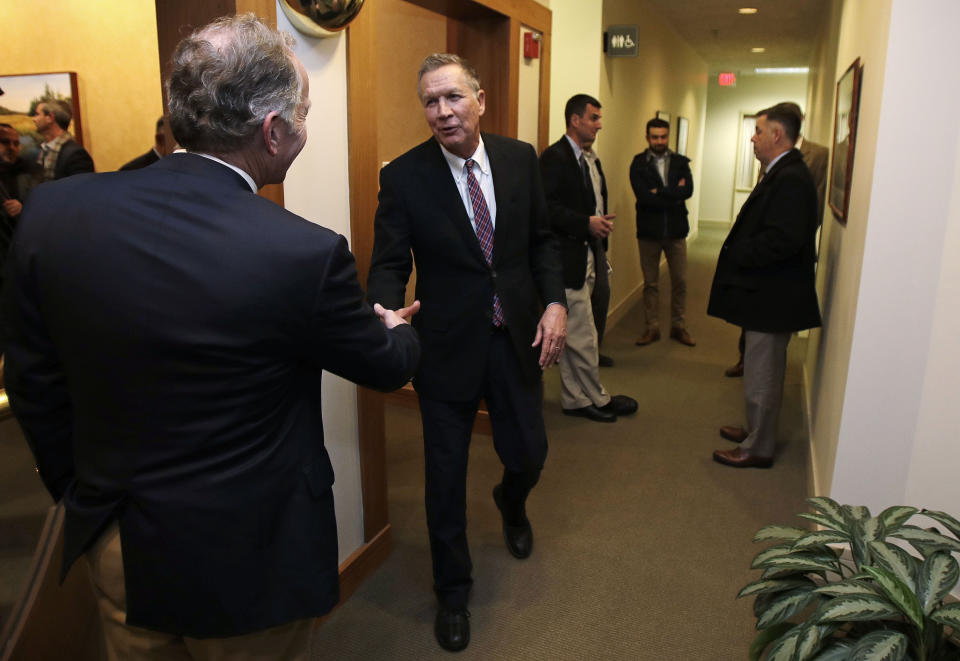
(642, 541)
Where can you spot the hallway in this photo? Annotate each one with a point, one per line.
(642, 541)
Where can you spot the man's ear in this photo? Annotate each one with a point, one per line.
(272, 125)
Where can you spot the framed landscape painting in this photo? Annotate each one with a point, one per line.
(844, 140)
(21, 94)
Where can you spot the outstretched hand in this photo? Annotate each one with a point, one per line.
(392, 318)
(551, 335)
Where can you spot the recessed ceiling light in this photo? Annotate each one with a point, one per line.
(747, 10)
(758, 50)
(776, 70)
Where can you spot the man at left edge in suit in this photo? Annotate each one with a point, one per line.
(60, 155)
(165, 360)
(469, 208)
(576, 193)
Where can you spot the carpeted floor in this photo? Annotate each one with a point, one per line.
(642, 541)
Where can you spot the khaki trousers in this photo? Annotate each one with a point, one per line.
(676, 253)
(289, 642)
(579, 362)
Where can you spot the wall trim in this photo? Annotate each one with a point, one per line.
(621, 309)
(362, 563)
(714, 224)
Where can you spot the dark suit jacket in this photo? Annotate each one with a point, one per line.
(141, 161)
(421, 211)
(72, 159)
(570, 205)
(816, 157)
(661, 215)
(765, 272)
(164, 360)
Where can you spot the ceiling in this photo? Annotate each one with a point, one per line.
(786, 28)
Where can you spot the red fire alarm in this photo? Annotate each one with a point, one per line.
(531, 45)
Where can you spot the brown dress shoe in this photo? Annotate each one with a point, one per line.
(735, 370)
(682, 336)
(652, 335)
(735, 434)
(740, 459)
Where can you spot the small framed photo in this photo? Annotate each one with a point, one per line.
(844, 140)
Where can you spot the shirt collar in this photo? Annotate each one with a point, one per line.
(774, 161)
(576, 148)
(651, 156)
(246, 177)
(457, 164)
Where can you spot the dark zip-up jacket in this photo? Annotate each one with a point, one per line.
(661, 214)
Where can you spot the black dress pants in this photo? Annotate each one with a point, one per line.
(520, 440)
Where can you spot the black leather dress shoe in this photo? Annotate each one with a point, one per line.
(452, 628)
(604, 361)
(620, 405)
(592, 413)
(519, 538)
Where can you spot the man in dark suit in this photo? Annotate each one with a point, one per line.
(60, 155)
(662, 183)
(164, 360)
(576, 193)
(471, 211)
(17, 180)
(764, 280)
(158, 151)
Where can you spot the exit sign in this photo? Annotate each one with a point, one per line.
(727, 79)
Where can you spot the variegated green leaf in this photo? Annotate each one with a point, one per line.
(801, 562)
(762, 587)
(785, 646)
(783, 606)
(775, 551)
(927, 537)
(824, 521)
(837, 651)
(880, 646)
(950, 522)
(820, 538)
(830, 509)
(771, 533)
(854, 513)
(810, 640)
(948, 614)
(855, 608)
(776, 574)
(896, 516)
(763, 639)
(858, 545)
(846, 587)
(872, 529)
(899, 593)
(938, 574)
(898, 561)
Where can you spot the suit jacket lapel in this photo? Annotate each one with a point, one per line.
(503, 189)
(439, 178)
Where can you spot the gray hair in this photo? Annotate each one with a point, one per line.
(436, 61)
(61, 111)
(227, 77)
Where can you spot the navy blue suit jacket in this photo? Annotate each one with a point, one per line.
(164, 360)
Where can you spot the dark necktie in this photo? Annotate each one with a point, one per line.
(588, 183)
(484, 227)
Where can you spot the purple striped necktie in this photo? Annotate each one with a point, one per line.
(484, 228)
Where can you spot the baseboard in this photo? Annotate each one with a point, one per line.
(407, 398)
(362, 563)
(813, 483)
(714, 224)
(621, 309)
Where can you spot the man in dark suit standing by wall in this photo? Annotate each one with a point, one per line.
(470, 209)
(164, 360)
(662, 182)
(159, 150)
(576, 193)
(764, 280)
(60, 155)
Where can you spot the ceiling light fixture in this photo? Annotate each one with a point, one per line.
(747, 10)
(758, 50)
(773, 70)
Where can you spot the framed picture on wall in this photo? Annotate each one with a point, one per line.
(683, 129)
(21, 94)
(845, 117)
(665, 116)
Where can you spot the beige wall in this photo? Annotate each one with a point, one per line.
(528, 105)
(112, 46)
(884, 373)
(667, 75)
(725, 104)
(575, 58)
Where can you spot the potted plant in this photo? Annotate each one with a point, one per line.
(862, 588)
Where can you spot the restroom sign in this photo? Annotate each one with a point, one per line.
(621, 41)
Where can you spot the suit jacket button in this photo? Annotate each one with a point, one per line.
(494, 274)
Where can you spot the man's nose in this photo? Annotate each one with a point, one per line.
(442, 108)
